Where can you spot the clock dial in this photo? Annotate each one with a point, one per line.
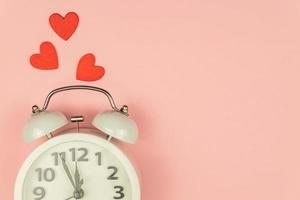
(77, 169)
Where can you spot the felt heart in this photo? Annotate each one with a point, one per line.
(64, 26)
(87, 70)
(47, 59)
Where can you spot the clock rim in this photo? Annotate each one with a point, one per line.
(84, 137)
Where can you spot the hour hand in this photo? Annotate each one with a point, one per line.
(78, 180)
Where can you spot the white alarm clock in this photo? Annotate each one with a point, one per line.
(81, 163)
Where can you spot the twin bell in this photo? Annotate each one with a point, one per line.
(115, 123)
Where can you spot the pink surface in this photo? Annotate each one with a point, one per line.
(213, 85)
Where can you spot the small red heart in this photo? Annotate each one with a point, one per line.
(64, 26)
(87, 70)
(47, 59)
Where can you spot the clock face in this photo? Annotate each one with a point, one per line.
(78, 169)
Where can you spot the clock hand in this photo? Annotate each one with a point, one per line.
(78, 181)
(67, 171)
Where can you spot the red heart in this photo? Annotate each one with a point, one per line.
(64, 26)
(47, 59)
(87, 70)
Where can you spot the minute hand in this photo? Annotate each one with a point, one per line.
(67, 171)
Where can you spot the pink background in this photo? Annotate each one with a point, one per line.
(213, 85)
